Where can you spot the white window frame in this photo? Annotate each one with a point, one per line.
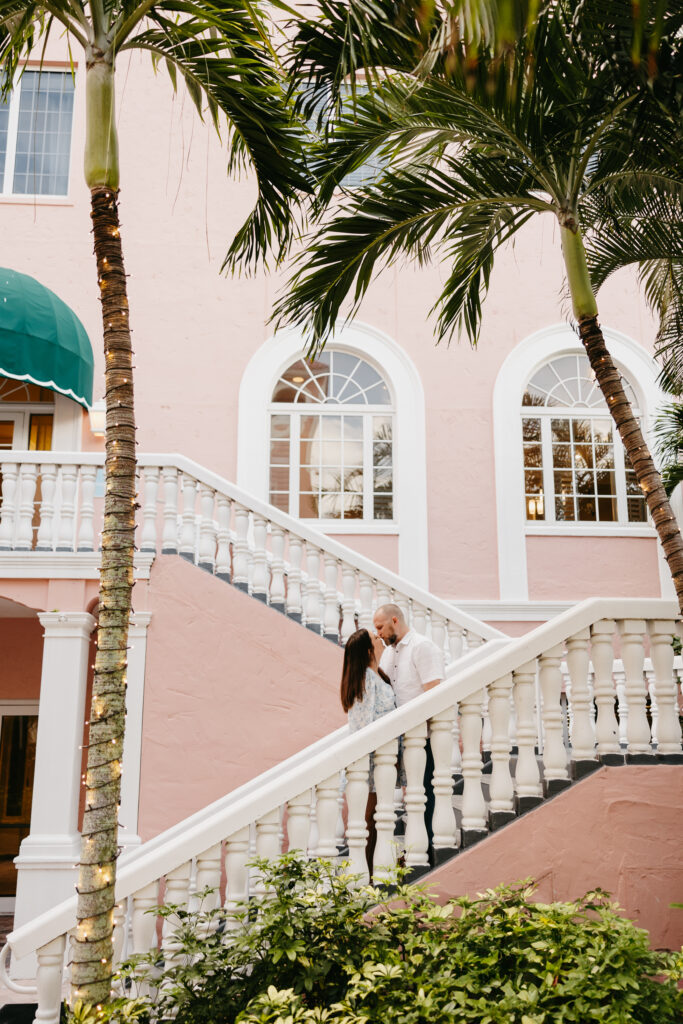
(8, 709)
(7, 177)
(405, 386)
(517, 370)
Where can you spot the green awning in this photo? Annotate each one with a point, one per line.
(42, 340)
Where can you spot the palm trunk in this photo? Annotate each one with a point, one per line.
(92, 948)
(609, 381)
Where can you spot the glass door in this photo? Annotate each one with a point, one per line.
(18, 731)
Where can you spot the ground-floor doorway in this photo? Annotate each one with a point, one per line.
(18, 730)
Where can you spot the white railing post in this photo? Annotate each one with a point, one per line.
(240, 557)
(10, 472)
(207, 529)
(67, 508)
(208, 876)
(414, 761)
(419, 622)
(119, 934)
(365, 587)
(331, 622)
(236, 875)
(633, 659)
(527, 776)
(27, 492)
(277, 568)
(259, 578)
(223, 510)
(606, 728)
(348, 601)
(144, 924)
(299, 822)
(313, 587)
(385, 784)
(501, 789)
(473, 804)
(456, 640)
(295, 553)
(86, 532)
(188, 531)
(48, 482)
(555, 774)
(665, 689)
(443, 820)
(169, 542)
(438, 630)
(582, 732)
(49, 981)
(267, 844)
(177, 894)
(148, 537)
(357, 790)
(326, 816)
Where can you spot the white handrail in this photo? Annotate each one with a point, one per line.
(473, 673)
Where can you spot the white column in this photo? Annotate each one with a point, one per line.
(45, 865)
(635, 694)
(132, 746)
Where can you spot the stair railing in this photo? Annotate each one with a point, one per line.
(51, 502)
(297, 807)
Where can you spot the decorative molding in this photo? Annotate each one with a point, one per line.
(513, 611)
(63, 565)
(592, 530)
(410, 485)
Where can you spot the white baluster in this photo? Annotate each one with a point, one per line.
(240, 559)
(299, 822)
(177, 894)
(501, 789)
(456, 640)
(582, 729)
(326, 816)
(348, 601)
(237, 875)
(385, 595)
(67, 509)
(473, 641)
(405, 605)
(267, 845)
(207, 529)
(8, 511)
(635, 694)
(622, 706)
(414, 760)
(602, 654)
(443, 819)
(259, 579)
(486, 728)
(294, 598)
(313, 829)
(665, 690)
(148, 538)
(49, 981)
(223, 511)
(555, 772)
(650, 681)
(144, 924)
(48, 481)
(513, 725)
(277, 567)
(456, 758)
(527, 776)
(385, 784)
(188, 526)
(119, 934)
(313, 587)
(438, 624)
(357, 790)
(86, 539)
(208, 876)
(473, 803)
(419, 622)
(331, 621)
(365, 587)
(169, 542)
(27, 493)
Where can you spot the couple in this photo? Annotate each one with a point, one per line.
(381, 673)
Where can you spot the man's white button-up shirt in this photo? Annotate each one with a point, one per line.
(410, 663)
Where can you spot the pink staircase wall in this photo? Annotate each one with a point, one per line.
(620, 829)
(232, 688)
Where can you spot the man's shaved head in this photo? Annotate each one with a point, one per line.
(391, 611)
(390, 623)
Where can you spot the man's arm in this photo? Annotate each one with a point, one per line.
(428, 662)
(431, 685)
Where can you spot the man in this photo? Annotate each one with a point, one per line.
(413, 664)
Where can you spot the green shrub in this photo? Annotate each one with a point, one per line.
(316, 950)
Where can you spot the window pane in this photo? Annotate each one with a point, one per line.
(378, 395)
(535, 507)
(607, 510)
(532, 455)
(533, 481)
(280, 501)
(332, 427)
(606, 483)
(637, 510)
(381, 428)
(353, 506)
(330, 505)
(583, 456)
(383, 480)
(40, 433)
(279, 478)
(6, 434)
(564, 508)
(560, 430)
(4, 119)
(564, 483)
(602, 431)
(353, 428)
(308, 506)
(279, 453)
(384, 506)
(586, 509)
(562, 456)
(44, 135)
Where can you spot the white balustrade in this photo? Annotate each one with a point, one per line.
(207, 529)
(10, 475)
(326, 816)
(294, 599)
(665, 688)
(365, 587)
(385, 784)
(259, 561)
(148, 536)
(414, 760)
(348, 601)
(188, 528)
(313, 617)
(277, 568)
(119, 934)
(527, 775)
(456, 640)
(299, 822)
(473, 802)
(86, 529)
(48, 484)
(632, 704)
(582, 731)
(177, 894)
(501, 789)
(331, 620)
(169, 543)
(223, 511)
(419, 622)
(357, 790)
(68, 479)
(236, 875)
(49, 981)
(207, 876)
(554, 751)
(443, 819)
(241, 558)
(602, 654)
(27, 492)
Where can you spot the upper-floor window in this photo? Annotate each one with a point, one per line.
(331, 440)
(26, 415)
(35, 134)
(575, 466)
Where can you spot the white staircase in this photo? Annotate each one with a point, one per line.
(509, 692)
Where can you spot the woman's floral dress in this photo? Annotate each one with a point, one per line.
(378, 700)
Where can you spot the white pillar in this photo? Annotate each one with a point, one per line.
(132, 742)
(45, 865)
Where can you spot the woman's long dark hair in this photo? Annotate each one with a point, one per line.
(357, 657)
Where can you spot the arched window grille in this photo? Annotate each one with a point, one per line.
(332, 440)
(575, 466)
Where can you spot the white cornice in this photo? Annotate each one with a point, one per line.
(63, 565)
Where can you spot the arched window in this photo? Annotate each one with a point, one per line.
(575, 467)
(331, 440)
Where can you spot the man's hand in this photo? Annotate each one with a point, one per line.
(431, 685)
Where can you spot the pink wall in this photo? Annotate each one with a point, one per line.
(232, 687)
(572, 568)
(380, 547)
(21, 644)
(620, 829)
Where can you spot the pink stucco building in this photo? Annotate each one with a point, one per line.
(487, 486)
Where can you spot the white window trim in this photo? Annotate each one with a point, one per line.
(9, 708)
(410, 474)
(66, 425)
(520, 365)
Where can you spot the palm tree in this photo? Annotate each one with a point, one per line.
(223, 54)
(472, 150)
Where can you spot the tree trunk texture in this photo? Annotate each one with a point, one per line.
(609, 381)
(92, 945)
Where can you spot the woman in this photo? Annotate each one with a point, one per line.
(366, 695)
